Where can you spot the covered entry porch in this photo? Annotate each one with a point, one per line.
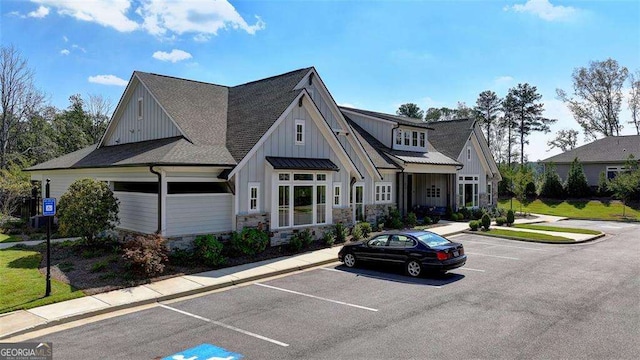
(427, 190)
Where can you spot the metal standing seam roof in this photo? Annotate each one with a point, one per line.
(431, 158)
(608, 149)
(292, 163)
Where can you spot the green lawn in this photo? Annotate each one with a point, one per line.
(556, 228)
(576, 209)
(23, 285)
(8, 238)
(526, 236)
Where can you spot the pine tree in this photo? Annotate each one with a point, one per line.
(551, 185)
(576, 185)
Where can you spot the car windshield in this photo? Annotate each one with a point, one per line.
(432, 240)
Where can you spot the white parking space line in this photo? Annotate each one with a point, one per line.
(224, 325)
(373, 276)
(469, 269)
(495, 256)
(316, 297)
(509, 246)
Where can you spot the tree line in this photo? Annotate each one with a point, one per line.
(32, 130)
(595, 102)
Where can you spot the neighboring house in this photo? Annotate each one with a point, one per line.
(186, 157)
(607, 155)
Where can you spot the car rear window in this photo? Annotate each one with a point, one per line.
(432, 240)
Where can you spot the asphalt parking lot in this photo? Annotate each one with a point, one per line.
(511, 300)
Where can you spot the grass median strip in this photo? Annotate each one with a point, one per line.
(23, 285)
(8, 238)
(556, 229)
(526, 236)
(576, 209)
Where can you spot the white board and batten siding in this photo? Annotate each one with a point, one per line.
(138, 211)
(381, 130)
(282, 143)
(198, 213)
(154, 124)
(474, 165)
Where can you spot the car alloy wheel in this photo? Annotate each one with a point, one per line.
(349, 260)
(414, 268)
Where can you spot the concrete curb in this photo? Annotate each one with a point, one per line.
(158, 299)
(592, 238)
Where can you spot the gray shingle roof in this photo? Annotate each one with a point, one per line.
(168, 151)
(374, 148)
(449, 137)
(199, 109)
(403, 120)
(605, 150)
(254, 107)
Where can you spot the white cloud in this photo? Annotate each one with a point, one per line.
(66, 39)
(41, 12)
(109, 13)
(15, 13)
(107, 80)
(174, 56)
(502, 80)
(204, 17)
(64, 52)
(545, 10)
(201, 38)
(78, 47)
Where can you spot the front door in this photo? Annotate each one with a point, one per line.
(357, 200)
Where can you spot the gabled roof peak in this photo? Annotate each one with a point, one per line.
(276, 76)
(177, 78)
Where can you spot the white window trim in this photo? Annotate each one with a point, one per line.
(422, 139)
(333, 198)
(314, 184)
(381, 197)
(475, 197)
(254, 185)
(295, 132)
(140, 108)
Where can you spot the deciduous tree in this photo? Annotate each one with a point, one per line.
(410, 110)
(597, 97)
(565, 140)
(634, 100)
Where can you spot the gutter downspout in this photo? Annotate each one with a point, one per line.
(159, 231)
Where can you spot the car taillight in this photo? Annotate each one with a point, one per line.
(461, 250)
(442, 255)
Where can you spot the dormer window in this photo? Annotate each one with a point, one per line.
(422, 137)
(299, 132)
(407, 139)
(140, 113)
(398, 137)
(415, 138)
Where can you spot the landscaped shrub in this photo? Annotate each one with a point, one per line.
(551, 186)
(340, 232)
(510, 217)
(356, 233)
(329, 238)
(365, 227)
(603, 183)
(466, 214)
(448, 212)
(295, 243)
(427, 221)
(501, 220)
(476, 213)
(453, 217)
(412, 220)
(576, 185)
(530, 190)
(147, 254)
(474, 224)
(179, 256)
(86, 209)
(306, 238)
(460, 216)
(486, 222)
(435, 219)
(208, 249)
(249, 242)
(380, 227)
(394, 220)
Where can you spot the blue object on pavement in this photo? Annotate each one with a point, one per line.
(205, 352)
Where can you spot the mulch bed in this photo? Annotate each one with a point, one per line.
(102, 270)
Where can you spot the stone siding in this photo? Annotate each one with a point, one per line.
(374, 212)
(343, 215)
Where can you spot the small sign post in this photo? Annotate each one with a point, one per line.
(48, 210)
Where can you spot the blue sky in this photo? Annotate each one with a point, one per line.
(371, 54)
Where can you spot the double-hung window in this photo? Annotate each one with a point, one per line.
(337, 194)
(383, 193)
(254, 197)
(422, 139)
(414, 143)
(299, 132)
(398, 137)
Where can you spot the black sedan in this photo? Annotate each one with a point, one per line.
(417, 251)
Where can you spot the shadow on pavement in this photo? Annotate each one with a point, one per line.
(396, 274)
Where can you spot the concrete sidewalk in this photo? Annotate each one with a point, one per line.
(23, 321)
